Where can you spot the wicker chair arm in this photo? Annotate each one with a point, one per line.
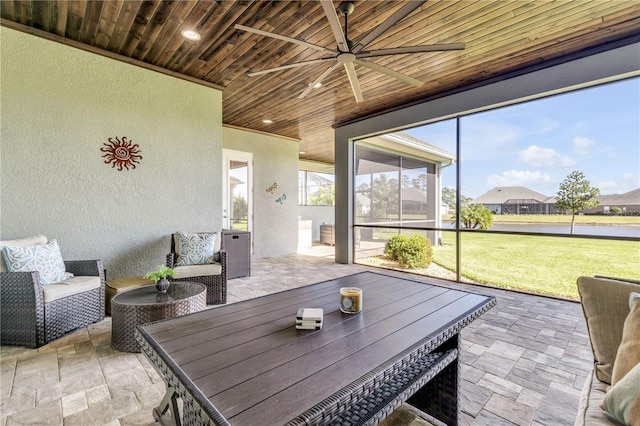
(171, 259)
(91, 268)
(22, 285)
(223, 261)
(21, 309)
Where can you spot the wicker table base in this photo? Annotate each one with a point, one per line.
(145, 304)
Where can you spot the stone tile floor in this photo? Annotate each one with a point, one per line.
(524, 362)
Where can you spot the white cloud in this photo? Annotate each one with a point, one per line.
(606, 185)
(538, 156)
(583, 145)
(519, 178)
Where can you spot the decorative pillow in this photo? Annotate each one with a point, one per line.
(195, 249)
(622, 401)
(46, 259)
(36, 240)
(629, 351)
(605, 303)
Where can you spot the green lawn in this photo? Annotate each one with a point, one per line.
(546, 265)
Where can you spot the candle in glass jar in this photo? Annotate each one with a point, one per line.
(351, 300)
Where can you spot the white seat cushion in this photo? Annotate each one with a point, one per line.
(69, 287)
(36, 240)
(197, 270)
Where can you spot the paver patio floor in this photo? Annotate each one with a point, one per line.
(524, 362)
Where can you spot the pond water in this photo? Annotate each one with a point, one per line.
(600, 230)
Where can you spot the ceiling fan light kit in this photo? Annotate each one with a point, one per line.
(348, 53)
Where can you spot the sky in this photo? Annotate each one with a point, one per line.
(537, 144)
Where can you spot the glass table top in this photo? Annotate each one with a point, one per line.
(147, 295)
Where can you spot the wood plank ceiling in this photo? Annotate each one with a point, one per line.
(501, 37)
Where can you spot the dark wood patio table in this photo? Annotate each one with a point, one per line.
(246, 363)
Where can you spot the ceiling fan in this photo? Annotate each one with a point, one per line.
(350, 53)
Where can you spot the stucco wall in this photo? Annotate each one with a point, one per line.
(275, 226)
(59, 106)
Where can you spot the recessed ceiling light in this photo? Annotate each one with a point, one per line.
(190, 35)
(303, 152)
(317, 85)
(267, 121)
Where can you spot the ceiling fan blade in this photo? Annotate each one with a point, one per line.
(412, 49)
(318, 80)
(334, 23)
(353, 80)
(285, 38)
(398, 16)
(286, 67)
(389, 72)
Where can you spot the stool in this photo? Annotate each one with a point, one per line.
(113, 287)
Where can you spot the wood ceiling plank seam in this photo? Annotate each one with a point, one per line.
(75, 19)
(25, 12)
(523, 27)
(178, 45)
(7, 10)
(140, 24)
(169, 31)
(126, 16)
(91, 22)
(500, 17)
(58, 16)
(264, 47)
(362, 21)
(209, 28)
(153, 30)
(471, 54)
(436, 30)
(220, 40)
(594, 31)
(415, 26)
(513, 63)
(41, 12)
(107, 24)
(286, 90)
(591, 16)
(564, 14)
(623, 14)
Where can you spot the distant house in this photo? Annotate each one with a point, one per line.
(516, 200)
(629, 202)
(521, 200)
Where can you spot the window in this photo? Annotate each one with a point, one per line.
(316, 189)
(510, 166)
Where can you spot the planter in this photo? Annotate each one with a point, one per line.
(163, 285)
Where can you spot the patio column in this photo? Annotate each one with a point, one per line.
(344, 207)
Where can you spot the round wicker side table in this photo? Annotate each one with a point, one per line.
(145, 304)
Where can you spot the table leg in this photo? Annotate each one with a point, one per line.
(439, 397)
(168, 403)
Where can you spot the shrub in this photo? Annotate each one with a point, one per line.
(615, 210)
(394, 245)
(475, 216)
(414, 251)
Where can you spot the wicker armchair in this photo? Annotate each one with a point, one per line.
(216, 284)
(28, 321)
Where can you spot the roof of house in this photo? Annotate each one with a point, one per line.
(628, 198)
(501, 194)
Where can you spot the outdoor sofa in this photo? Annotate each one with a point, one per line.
(613, 322)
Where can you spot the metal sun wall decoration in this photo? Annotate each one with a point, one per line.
(121, 154)
(281, 199)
